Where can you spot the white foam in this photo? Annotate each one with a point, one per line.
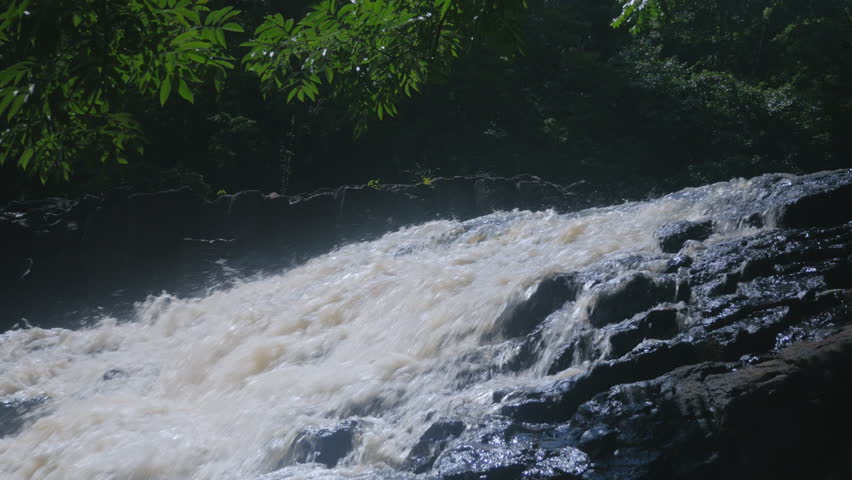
(218, 387)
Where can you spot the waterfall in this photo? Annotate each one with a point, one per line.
(392, 334)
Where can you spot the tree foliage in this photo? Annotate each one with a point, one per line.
(692, 91)
(72, 63)
(373, 53)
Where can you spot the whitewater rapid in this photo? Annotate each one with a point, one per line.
(394, 333)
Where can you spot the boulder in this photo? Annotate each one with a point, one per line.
(628, 295)
(672, 236)
(820, 209)
(656, 324)
(777, 418)
(14, 414)
(550, 295)
(323, 445)
(434, 440)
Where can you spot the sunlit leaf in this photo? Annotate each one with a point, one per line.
(165, 90)
(233, 27)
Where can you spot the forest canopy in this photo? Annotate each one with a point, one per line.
(236, 94)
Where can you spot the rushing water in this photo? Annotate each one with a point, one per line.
(392, 332)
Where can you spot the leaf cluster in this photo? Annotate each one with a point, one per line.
(72, 63)
(373, 53)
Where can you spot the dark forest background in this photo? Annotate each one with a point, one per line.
(711, 90)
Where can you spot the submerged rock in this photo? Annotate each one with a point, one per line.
(672, 236)
(629, 295)
(433, 441)
(550, 295)
(15, 413)
(323, 445)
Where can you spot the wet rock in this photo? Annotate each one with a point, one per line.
(598, 440)
(15, 413)
(677, 262)
(724, 420)
(821, 209)
(113, 374)
(839, 274)
(436, 438)
(681, 386)
(550, 295)
(322, 445)
(483, 462)
(569, 463)
(502, 449)
(582, 347)
(629, 295)
(658, 324)
(672, 236)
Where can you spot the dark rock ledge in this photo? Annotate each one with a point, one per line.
(735, 364)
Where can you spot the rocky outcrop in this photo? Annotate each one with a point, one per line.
(779, 417)
(733, 361)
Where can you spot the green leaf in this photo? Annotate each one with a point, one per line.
(190, 14)
(220, 37)
(165, 90)
(4, 103)
(17, 103)
(233, 27)
(185, 92)
(121, 161)
(25, 158)
(195, 57)
(224, 63)
(349, 7)
(445, 7)
(184, 37)
(195, 45)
